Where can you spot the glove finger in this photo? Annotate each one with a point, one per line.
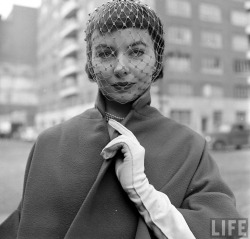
(121, 129)
(111, 148)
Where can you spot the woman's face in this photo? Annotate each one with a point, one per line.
(123, 63)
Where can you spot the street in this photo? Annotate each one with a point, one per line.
(234, 167)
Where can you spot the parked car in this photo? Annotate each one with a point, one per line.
(5, 129)
(236, 135)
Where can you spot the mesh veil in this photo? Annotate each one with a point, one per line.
(125, 45)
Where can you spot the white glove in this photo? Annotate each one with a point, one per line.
(155, 207)
(133, 162)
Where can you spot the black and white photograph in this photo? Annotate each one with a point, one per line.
(124, 119)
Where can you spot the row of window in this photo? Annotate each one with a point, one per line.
(183, 36)
(181, 8)
(211, 91)
(181, 116)
(207, 12)
(185, 117)
(181, 62)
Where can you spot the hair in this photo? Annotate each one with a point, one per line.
(123, 14)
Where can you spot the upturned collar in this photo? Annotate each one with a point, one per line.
(138, 104)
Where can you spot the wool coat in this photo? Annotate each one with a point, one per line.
(71, 192)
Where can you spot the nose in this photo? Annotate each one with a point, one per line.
(121, 67)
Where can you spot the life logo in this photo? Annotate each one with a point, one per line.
(229, 228)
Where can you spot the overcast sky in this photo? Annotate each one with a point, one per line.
(6, 5)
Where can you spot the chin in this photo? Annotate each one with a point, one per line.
(122, 100)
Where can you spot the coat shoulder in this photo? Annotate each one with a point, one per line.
(71, 125)
(170, 130)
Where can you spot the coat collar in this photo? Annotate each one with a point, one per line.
(139, 103)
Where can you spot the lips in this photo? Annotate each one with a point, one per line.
(122, 86)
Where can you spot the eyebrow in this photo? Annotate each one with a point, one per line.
(103, 46)
(138, 43)
(131, 45)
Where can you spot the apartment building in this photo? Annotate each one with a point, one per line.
(206, 72)
(247, 9)
(206, 82)
(64, 89)
(18, 100)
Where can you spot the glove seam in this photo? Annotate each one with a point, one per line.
(144, 206)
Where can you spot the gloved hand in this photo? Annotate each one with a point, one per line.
(130, 170)
(155, 207)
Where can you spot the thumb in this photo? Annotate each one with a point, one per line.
(110, 151)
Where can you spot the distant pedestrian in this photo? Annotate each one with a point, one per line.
(121, 169)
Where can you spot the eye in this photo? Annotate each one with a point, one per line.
(104, 54)
(136, 52)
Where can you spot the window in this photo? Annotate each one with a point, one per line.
(217, 118)
(211, 65)
(217, 91)
(210, 13)
(181, 89)
(242, 66)
(181, 116)
(179, 8)
(178, 62)
(241, 117)
(212, 91)
(179, 35)
(241, 91)
(211, 40)
(240, 43)
(239, 18)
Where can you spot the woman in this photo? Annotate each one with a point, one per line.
(121, 169)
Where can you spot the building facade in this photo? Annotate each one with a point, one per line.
(18, 99)
(205, 83)
(206, 71)
(64, 89)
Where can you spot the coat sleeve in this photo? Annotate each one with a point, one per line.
(207, 197)
(9, 228)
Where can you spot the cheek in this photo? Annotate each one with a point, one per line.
(101, 68)
(145, 67)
